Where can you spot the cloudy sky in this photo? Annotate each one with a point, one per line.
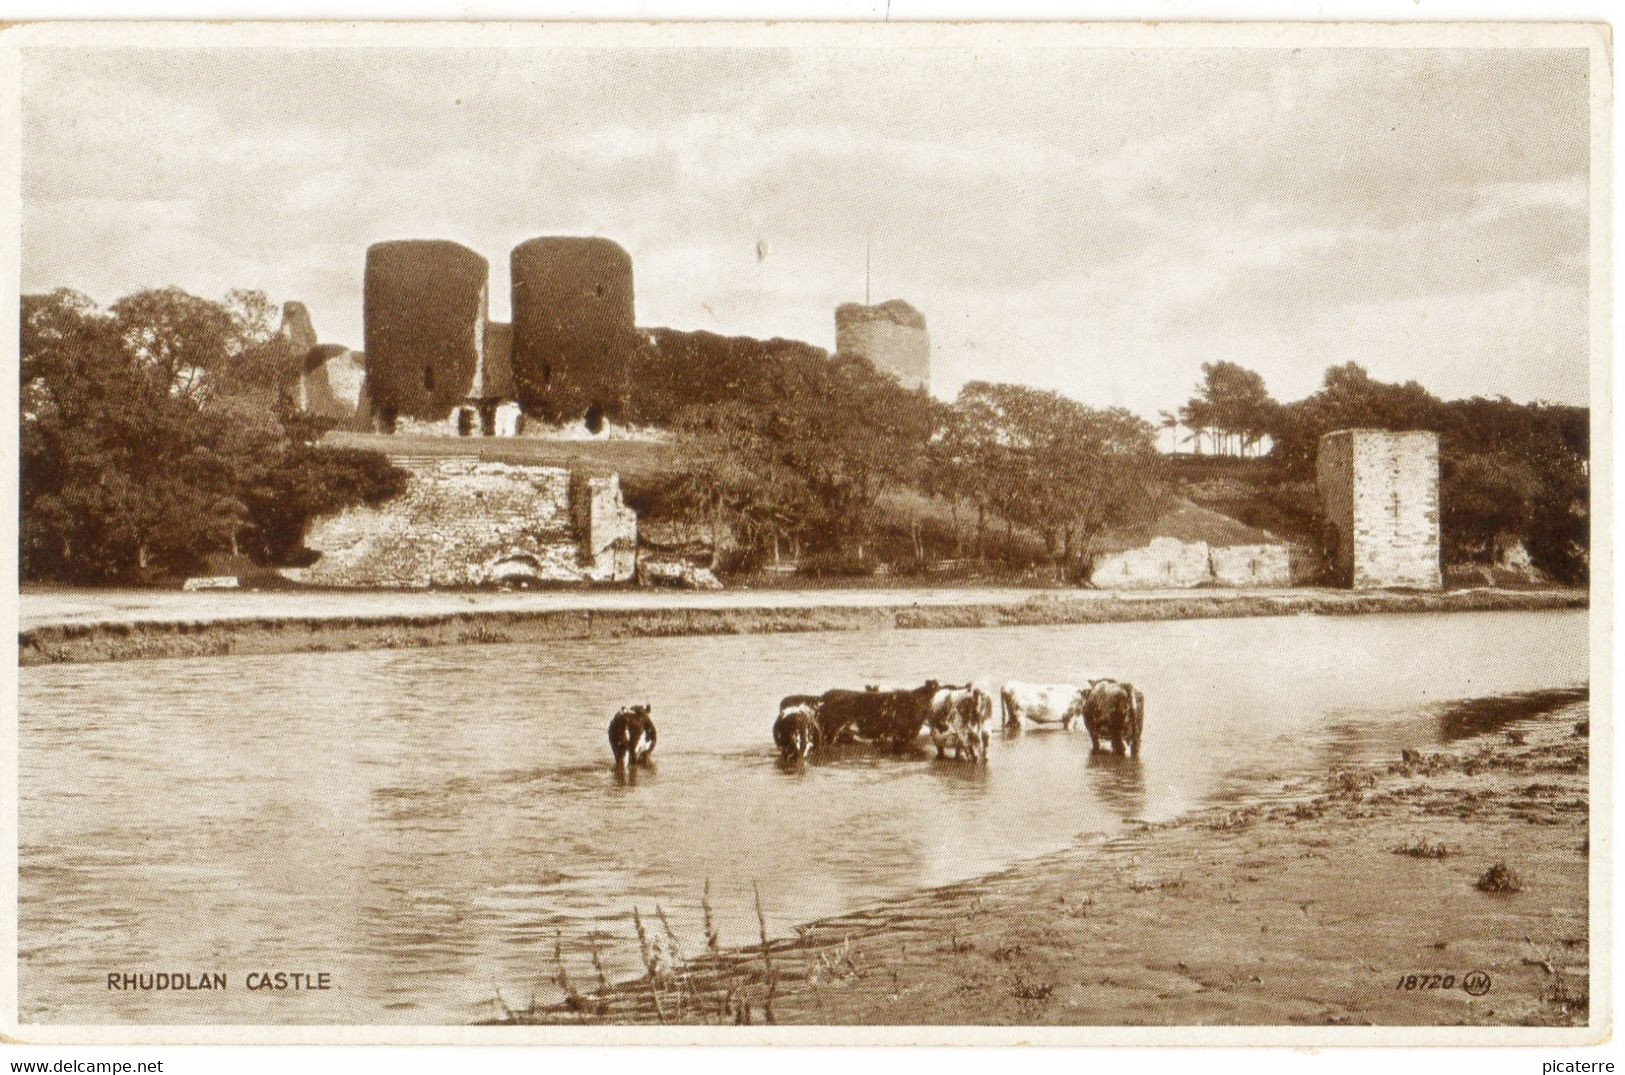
(1099, 221)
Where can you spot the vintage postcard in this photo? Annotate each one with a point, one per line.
(845, 533)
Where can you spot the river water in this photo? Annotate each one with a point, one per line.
(425, 826)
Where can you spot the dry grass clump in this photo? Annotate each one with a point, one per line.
(1347, 785)
(1500, 878)
(1423, 848)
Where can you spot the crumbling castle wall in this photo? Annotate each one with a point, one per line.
(1168, 563)
(892, 335)
(1380, 495)
(464, 522)
(332, 383)
(606, 528)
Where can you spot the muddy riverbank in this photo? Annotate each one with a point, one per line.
(1443, 887)
(191, 629)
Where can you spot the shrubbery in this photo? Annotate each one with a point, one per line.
(150, 440)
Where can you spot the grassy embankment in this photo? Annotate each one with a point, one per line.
(1363, 897)
(129, 640)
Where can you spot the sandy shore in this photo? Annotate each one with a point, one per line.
(79, 626)
(1354, 898)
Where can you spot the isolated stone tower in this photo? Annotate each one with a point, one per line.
(1380, 494)
(891, 335)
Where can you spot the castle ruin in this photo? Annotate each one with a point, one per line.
(1380, 494)
(891, 335)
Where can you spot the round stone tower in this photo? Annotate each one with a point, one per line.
(425, 304)
(574, 327)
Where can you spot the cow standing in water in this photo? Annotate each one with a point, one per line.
(1042, 703)
(632, 736)
(893, 717)
(1115, 711)
(796, 731)
(961, 718)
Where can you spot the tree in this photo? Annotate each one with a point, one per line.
(1233, 404)
(135, 461)
(177, 339)
(1483, 496)
(1067, 470)
(733, 481)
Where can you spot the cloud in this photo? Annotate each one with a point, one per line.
(1099, 221)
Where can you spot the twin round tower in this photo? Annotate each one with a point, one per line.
(433, 357)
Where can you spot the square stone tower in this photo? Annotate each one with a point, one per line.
(1380, 493)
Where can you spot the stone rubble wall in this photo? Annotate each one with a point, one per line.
(1168, 563)
(464, 522)
(1251, 565)
(1165, 562)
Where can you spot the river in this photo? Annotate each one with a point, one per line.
(425, 826)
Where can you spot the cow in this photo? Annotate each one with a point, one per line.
(1041, 703)
(894, 717)
(632, 735)
(1115, 711)
(960, 717)
(796, 732)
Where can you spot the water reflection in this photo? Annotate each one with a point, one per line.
(1119, 782)
(627, 776)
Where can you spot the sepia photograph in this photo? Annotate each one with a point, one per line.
(823, 533)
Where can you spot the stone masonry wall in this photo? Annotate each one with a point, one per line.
(1168, 563)
(1380, 492)
(463, 522)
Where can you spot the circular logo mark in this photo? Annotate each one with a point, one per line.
(1477, 983)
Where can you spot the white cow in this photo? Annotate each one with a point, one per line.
(1042, 703)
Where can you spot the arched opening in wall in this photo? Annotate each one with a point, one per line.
(386, 419)
(594, 418)
(598, 290)
(547, 374)
(488, 420)
(428, 378)
(465, 421)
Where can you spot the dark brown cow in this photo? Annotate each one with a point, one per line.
(894, 717)
(1115, 711)
(632, 735)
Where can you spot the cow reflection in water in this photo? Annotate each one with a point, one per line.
(1119, 782)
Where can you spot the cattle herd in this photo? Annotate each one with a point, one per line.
(957, 717)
